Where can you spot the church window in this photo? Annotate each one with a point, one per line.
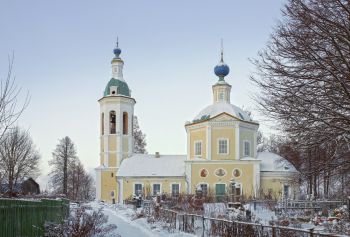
(286, 191)
(138, 189)
(112, 175)
(237, 189)
(175, 189)
(112, 121)
(221, 95)
(156, 189)
(204, 188)
(198, 148)
(246, 148)
(125, 123)
(223, 146)
(113, 92)
(102, 123)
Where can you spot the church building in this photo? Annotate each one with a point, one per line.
(221, 157)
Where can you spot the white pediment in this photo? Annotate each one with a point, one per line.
(224, 117)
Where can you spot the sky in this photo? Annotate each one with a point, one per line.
(63, 49)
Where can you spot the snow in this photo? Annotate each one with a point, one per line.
(140, 165)
(223, 107)
(273, 162)
(122, 216)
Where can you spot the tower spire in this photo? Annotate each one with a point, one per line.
(221, 69)
(222, 50)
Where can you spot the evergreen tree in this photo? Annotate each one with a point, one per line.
(139, 138)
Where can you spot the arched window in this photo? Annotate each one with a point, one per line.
(112, 122)
(103, 123)
(125, 123)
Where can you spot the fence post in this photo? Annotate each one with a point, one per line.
(311, 232)
(203, 225)
(273, 231)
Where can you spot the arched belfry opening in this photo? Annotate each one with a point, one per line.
(125, 123)
(102, 123)
(112, 125)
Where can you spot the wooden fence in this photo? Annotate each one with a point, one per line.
(26, 217)
(207, 226)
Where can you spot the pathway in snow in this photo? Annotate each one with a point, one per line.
(133, 228)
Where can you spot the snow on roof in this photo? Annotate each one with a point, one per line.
(222, 107)
(140, 165)
(273, 162)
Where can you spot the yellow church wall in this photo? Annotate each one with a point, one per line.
(112, 159)
(226, 133)
(245, 179)
(246, 134)
(147, 184)
(125, 144)
(112, 143)
(102, 144)
(198, 135)
(108, 184)
(274, 186)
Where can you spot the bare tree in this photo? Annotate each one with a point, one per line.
(10, 110)
(18, 157)
(304, 77)
(63, 158)
(80, 183)
(139, 138)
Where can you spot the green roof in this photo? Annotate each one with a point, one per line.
(122, 87)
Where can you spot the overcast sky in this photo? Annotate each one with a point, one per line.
(63, 51)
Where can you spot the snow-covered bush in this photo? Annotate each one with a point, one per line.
(82, 223)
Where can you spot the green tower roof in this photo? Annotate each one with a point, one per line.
(122, 88)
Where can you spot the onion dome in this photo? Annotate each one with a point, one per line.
(117, 51)
(221, 70)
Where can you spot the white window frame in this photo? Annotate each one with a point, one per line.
(171, 187)
(160, 188)
(195, 150)
(221, 92)
(244, 151)
(241, 192)
(133, 189)
(227, 147)
(199, 184)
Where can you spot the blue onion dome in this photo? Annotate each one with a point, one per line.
(117, 51)
(221, 70)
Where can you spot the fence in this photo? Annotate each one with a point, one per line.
(26, 217)
(207, 226)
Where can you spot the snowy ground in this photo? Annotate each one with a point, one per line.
(122, 216)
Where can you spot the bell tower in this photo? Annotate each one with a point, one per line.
(116, 126)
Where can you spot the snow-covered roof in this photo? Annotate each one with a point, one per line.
(273, 162)
(222, 107)
(141, 165)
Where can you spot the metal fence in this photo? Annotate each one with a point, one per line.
(26, 217)
(207, 226)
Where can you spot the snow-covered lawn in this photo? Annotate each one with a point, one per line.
(122, 216)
